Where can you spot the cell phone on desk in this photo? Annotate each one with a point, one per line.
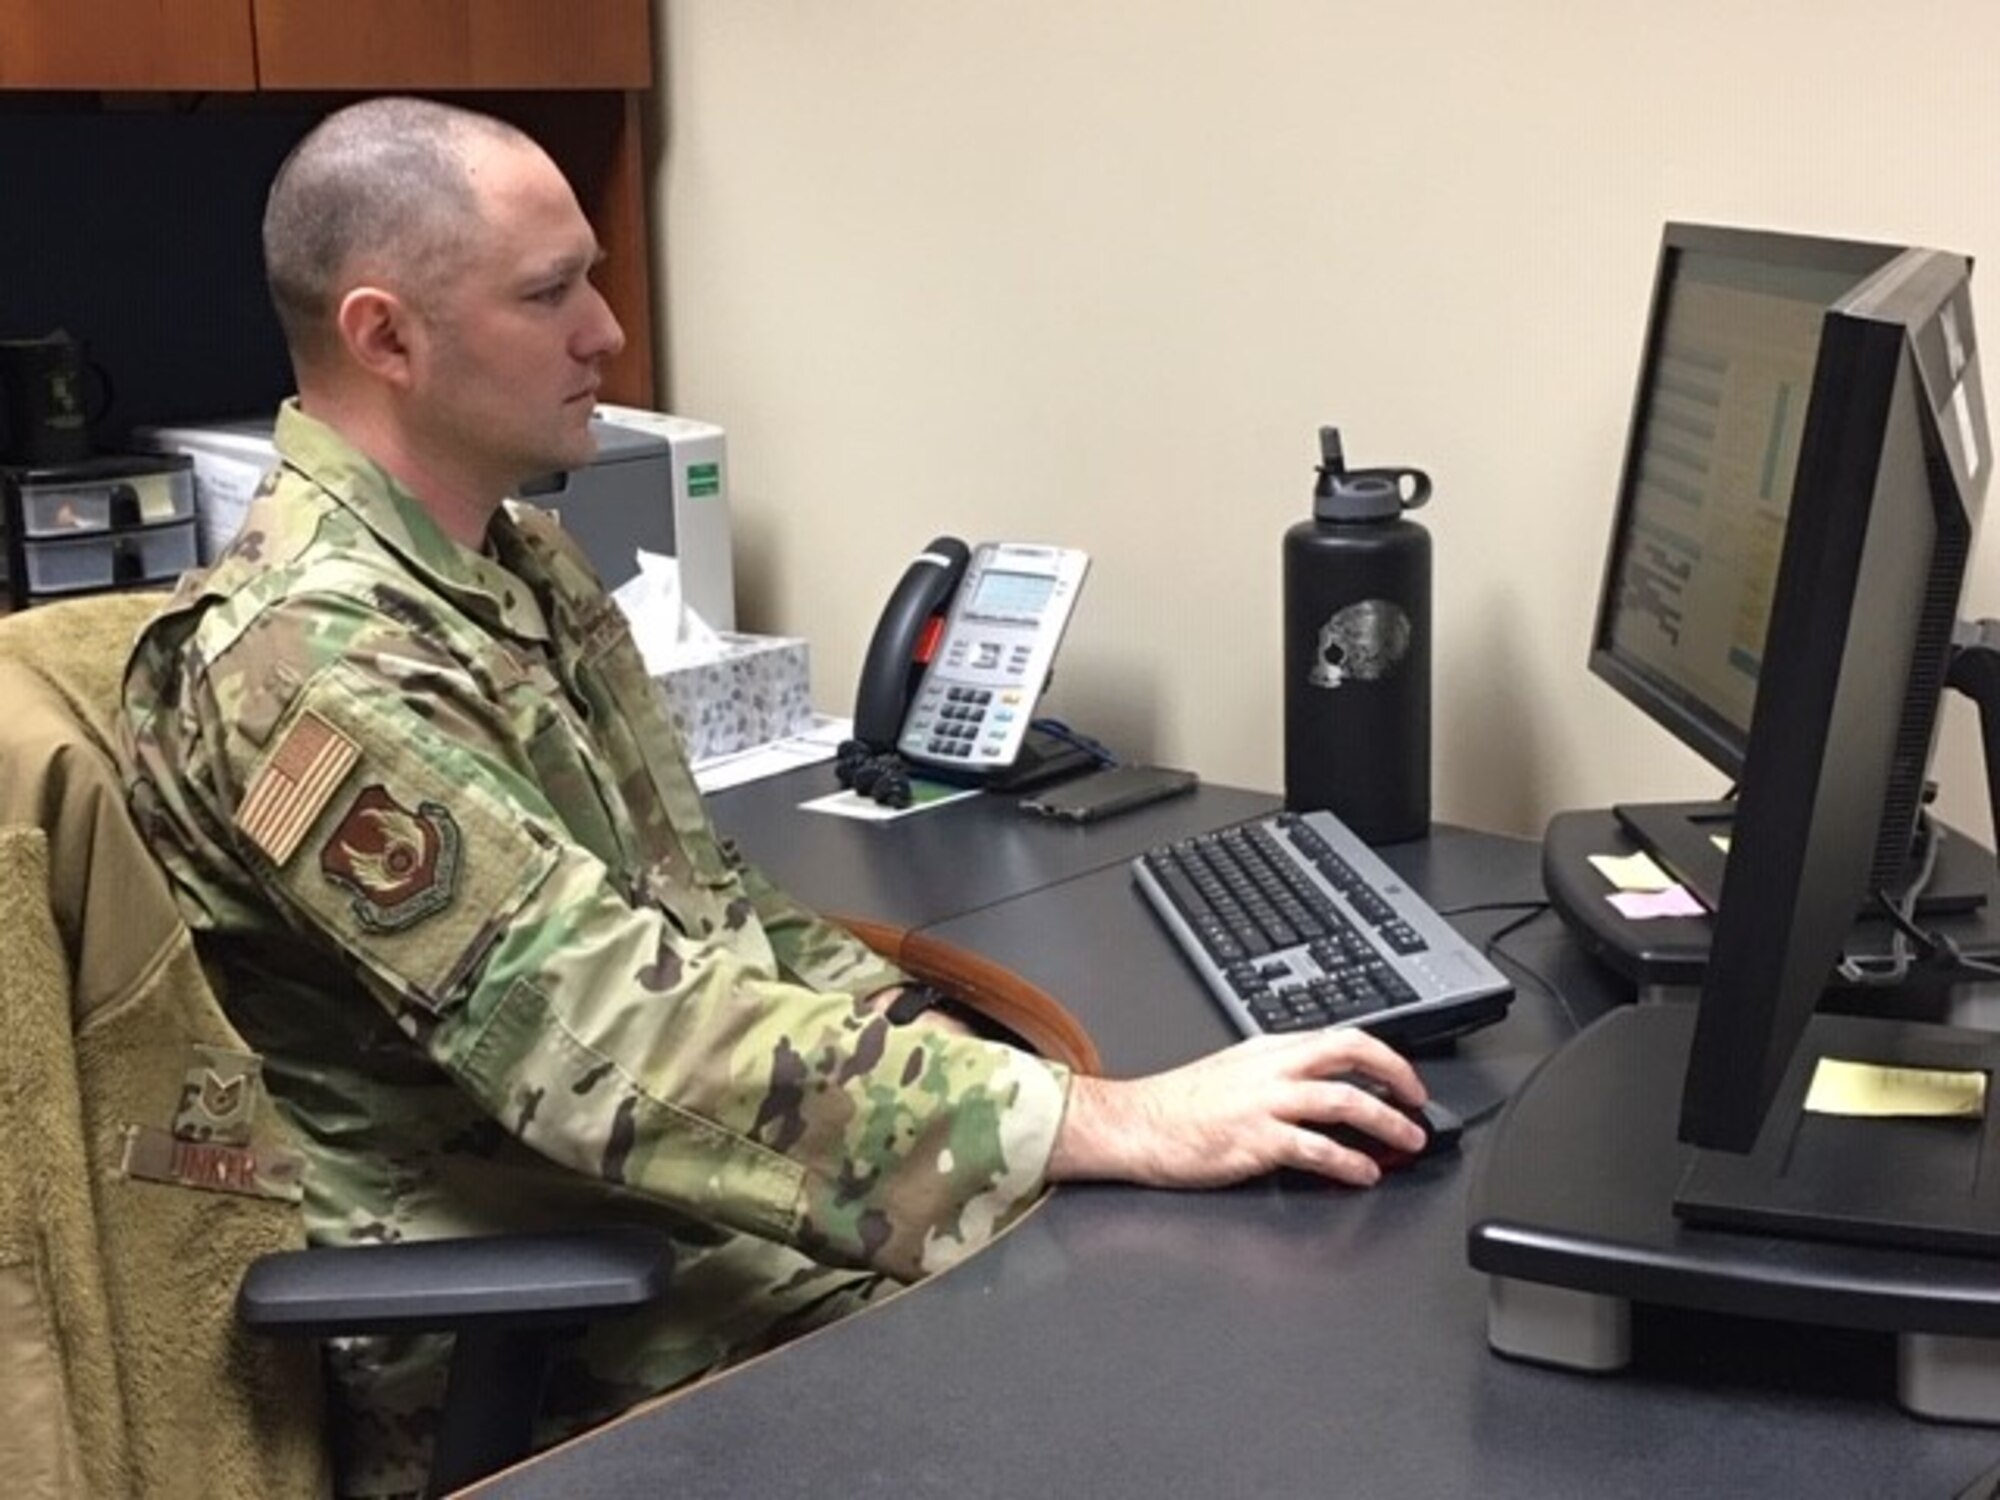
(1116, 789)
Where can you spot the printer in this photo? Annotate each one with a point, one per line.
(659, 483)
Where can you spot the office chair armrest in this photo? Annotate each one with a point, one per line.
(509, 1280)
(505, 1298)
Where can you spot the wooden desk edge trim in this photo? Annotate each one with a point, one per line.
(990, 988)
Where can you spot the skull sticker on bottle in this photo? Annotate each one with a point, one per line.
(1365, 642)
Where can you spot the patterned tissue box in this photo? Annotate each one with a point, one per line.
(757, 691)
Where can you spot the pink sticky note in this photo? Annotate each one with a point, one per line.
(1643, 906)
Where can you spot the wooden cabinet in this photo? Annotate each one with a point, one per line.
(327, 45)
(453, 44)
(573, 73)
(115, 45)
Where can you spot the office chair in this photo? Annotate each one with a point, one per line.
(122, 1363)
(143, 1382)
(507, 1298)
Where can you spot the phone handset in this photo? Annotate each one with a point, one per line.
(980, 685)
(905, 637)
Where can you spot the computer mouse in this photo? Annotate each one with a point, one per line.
(1440, 1124)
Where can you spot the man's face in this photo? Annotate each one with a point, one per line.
(515, 337)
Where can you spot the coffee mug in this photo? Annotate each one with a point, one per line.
(44, 381)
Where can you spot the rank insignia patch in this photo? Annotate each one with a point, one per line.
(219, 1096)
(401, 866)
(211, 1145)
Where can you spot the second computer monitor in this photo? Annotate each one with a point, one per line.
(1733, 370)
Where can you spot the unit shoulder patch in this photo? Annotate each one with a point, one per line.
(399, 865)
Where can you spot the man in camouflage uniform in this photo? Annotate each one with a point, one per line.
(437, 839)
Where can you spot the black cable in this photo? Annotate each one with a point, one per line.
(1534, 908)
(1056, 729)
(869, 771)
(1902, 915)
(1931, 943)
(1490, 947)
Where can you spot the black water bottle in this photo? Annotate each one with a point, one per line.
(1358, 651)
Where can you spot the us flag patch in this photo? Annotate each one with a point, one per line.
(294, 784)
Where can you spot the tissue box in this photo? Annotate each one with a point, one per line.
(759, 690)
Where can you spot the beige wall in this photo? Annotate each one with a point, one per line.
(1094, 271)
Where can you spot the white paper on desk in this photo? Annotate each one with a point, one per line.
(924, 795)
(667, 631)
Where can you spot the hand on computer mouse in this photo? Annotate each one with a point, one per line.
(1256, 1107)
(1439, 1123)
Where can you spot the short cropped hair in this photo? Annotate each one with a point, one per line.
(379, 186)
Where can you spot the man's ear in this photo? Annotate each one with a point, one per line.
(377, 328)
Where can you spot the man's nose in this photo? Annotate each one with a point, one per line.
(603, 337)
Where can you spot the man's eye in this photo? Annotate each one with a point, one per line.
(550, 295)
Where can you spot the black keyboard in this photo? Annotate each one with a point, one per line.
(1294, 923)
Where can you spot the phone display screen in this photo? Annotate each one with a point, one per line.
(1011, 596)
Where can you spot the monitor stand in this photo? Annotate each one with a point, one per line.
(1690, 840)
(1668, 954)
(1923, 1183)
(1573, 1214)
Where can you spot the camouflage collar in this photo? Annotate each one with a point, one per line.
(398, 520)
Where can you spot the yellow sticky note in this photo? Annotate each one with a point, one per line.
(1632, 872)
(1720, 840)
(1840, 1087)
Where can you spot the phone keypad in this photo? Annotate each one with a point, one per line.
(961, 722)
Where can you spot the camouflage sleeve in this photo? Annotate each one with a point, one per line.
(816, 952)
(619, 1038)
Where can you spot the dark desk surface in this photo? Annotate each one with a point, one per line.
(920, 869)
(1271, 1339)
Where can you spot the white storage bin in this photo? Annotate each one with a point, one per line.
(69, 567)
(65, 511)
(72, 504)
(154, 554)
(157, 554)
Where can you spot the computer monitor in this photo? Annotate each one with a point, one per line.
(1849, 483)
(1732, 375)
(1807, 460)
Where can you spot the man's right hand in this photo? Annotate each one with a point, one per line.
(1249, 1109)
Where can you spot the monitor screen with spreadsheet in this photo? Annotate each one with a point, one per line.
(1709, 470)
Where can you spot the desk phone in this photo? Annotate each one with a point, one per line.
(988, 668)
